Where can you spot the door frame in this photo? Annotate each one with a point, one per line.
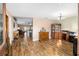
(78, 33)
(4, 25)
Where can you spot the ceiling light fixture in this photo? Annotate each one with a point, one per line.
(60, 16)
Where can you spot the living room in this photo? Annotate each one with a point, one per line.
(43, 23)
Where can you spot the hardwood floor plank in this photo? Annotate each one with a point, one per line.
(42, 48)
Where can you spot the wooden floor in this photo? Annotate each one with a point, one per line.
(52, 47)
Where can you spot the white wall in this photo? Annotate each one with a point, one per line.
(10, 29)
(38, 23)
(10, 24)
(70, 24)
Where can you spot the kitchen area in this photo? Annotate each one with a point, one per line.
(24, 27)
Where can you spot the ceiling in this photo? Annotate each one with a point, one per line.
(43, 10)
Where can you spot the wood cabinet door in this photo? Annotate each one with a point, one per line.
(43, 35)
(58, 35)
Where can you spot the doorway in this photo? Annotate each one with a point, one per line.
(24, 26)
